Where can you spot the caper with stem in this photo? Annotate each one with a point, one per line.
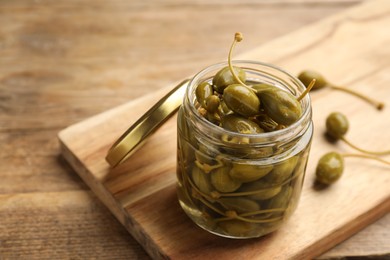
(337, 126)
(330, 167)
(307, 75)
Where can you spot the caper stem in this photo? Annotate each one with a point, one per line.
(211, 206)
(258, 212)
(366, 156)
(379, 105)
(307, 90)
(363, 150)
(237, 38)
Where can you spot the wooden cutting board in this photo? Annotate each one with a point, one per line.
(351, 48)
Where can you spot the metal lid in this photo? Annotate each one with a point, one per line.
(134, 137)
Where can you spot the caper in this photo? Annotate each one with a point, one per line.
(236, 227)
(330, 167)
(240, 124)
(201, 180)
(308, 75)
(222, 181)
(263, 86)
(241, 100)
(240, 205)
(202, 92)
(212, 103)
(282, 171)
(245, 172)
(336, 125)
(260, 190)
(265, 122)
(281, 106)
(282, 199)
(224, 78)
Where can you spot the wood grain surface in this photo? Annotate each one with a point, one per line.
(64, 61)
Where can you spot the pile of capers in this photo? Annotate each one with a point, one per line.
(230, 103)
(239, 198)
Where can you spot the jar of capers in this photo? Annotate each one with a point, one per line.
(242, 148)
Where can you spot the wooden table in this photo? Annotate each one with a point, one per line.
(64, 61)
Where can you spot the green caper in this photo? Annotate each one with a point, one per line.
(237, 228)
(201, 180)
(280, 105)
(308, 75)
(212, 103)
(245, 172)
(224, 78)
(336, 125)
(240, 205)
(261, 190)
(282, 199)
(222, 181)
(241, 100)
(240, 124)
(265, 122)
(203, 91)
(329, 168)
(282, 171)
(263, 86)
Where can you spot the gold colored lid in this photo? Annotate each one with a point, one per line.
(133, 138)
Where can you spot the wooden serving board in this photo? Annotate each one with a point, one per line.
(351, 48)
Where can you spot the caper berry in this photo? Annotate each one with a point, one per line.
(336, 125)
(201, 180)
(263, 86)
(212, 103)
(237, 228)
(241, 100)
(240, 124)
(265, 122)
(308, 75)
(282, 199)
(222, 181)
(280, 105)
(202, 92)
(261, 190)
(245, 172)
(240, 205)
(282, 171)
(329, 168)
(224, 78)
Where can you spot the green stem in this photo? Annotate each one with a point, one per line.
(363, 150)
(379, 105)
(366, 156)
(307, 90)
(237, 38)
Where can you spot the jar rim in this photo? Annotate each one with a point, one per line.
(283, 134)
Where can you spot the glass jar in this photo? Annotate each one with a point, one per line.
(241, 185)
